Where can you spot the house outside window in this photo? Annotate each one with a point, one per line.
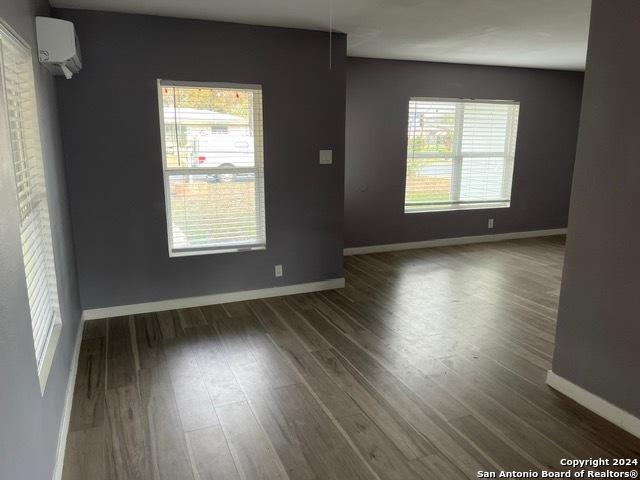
(460, 154)
(213, 164)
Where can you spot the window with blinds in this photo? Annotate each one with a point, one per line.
(20, 146)
(213, 167)
(460, 154)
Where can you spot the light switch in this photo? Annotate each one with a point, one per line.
(326, 157)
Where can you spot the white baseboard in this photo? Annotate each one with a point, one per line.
(213, 299)
(68, 402)
(443, 242)
(596, 404)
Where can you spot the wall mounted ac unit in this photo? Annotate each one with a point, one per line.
(58, 47)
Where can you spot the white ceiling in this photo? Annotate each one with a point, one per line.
(523, 33)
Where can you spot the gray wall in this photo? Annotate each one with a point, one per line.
(29, 423)
(378, 93)
(598, 330)
(109, 116)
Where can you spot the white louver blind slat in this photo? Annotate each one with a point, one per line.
(21, 141)
(460, 154)
(213, 167)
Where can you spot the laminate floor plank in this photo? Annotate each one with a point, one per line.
(95, 328)
(414, 378)
(85, 455)
(170, 323)
(398, 430)
(253, 454)
(216, 375)
(340, 319)
(305, 438)
(194, 404)
(88, 406)
(384, 457)
(149, 340)
(524, 367)
(578, 446)
(436, 467)
(126, 444)
(306, 366)
(430, 364)
(207, 350)
(515, 426)
(192, 317)
(393, 391)
(210, 454)
(567, 414)
(165, 442)
(510, 427)
(255, 360)
(501, 452)
(494, 451)
(311, 339)
(121, 367)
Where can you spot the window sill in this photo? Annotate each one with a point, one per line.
(49, 354)
(212, 251)
(452, 207)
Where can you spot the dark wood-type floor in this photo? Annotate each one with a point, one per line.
(429, 364)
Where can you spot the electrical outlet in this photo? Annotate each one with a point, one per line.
(326, 157)
(490, 224)
(278, 270)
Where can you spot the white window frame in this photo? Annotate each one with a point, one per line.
(258, 165)
(35, 166)
(457, 159)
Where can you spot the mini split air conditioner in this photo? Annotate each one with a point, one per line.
(58, 47)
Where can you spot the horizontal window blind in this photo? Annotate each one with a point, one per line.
(21, 141)
(213, 166)
(460, 154)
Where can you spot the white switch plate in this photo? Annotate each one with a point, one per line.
(278, 270)
(326, 157)
(490, 224)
